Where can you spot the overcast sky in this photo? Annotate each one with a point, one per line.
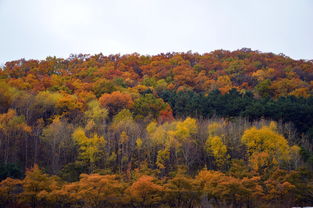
(35, 29)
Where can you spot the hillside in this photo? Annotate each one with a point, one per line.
(230, 129)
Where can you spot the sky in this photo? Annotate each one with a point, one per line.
(35, 29)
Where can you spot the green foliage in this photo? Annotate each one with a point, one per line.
(95, 112)
(10, 170)
(71, 171)
(148, 105)
(263, 88)
(103, 86)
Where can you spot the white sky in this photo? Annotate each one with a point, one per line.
(35, 29)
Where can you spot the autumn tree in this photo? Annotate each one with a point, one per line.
(34, 185)
(116, 101)
(124, 134)
(91, 191)
(60, 149)
(148, 106)
(225, 190)
(183, 139)
(266, 147)
(218, 149)
(145, 192)
(14, 134)
(89, 147)
(180, 191)
(96, 117)
(9, 192)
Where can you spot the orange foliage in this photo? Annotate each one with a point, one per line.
(144, 192)
(116, 101)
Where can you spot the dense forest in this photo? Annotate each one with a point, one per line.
(220, 129)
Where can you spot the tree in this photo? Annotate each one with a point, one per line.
(225, 190)
(182, 138)
(96, 117)
(279, 189)
(7, 96)
(148, 106)
(89, 147)
(34, 185)
(67, 103)
(163, 156)
(180, 192)
(265, 146)
(124, 132)
(218, 149)
(160, 142)
(60, 149)
(9, 192)
(92, 191)
(116, 101)
(145, 192)
(14, 134)
(166, 115)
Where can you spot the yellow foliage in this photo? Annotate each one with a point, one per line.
(163, 156)
(68, 102)
(300, 92)
(273, 125)
(156, 133)
(10, 122)
(95, 112)
(124, 137)
(218, 149)
(89, 147)
(160, 134)
(139, 143)
(265, 144)
(185, 129)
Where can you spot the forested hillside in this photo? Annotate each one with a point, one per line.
(225, 129)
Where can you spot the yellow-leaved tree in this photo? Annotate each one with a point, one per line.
(89, 147)
(175, 136)
(185, 130)
(183, 139)
(215, 145)
(160, 140)
(96, 117)
(266, 147)
(218, 149)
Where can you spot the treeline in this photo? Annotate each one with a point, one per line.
(264, 74)
(236, 188)
(172, 130)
